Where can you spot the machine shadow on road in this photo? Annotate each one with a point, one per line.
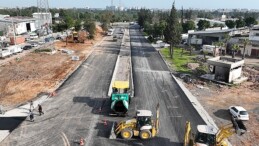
(10, 123)
(161, 141)
(99, 106)
(223, 114)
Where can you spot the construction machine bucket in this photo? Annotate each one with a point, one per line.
(239, 126)
(112, 134)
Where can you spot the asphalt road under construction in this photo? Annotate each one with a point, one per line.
(81, 108)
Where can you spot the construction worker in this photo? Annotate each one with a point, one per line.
(31, 105)
(40, 109)
(31, 116)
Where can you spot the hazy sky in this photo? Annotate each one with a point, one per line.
(210, 4)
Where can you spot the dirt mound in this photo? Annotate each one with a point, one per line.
(193, 66)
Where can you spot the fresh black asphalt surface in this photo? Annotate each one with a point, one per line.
(81, 106)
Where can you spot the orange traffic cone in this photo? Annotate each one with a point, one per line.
(105, 122)
(53, 94)
(81, 142)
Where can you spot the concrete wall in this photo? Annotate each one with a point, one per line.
(234, 74)
(221, 73)
(19, 27)
(42, 19)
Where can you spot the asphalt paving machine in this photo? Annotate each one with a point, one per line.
(120, 98)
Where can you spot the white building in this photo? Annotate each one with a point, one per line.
(42, 19)
(253, 48)
(19, 25)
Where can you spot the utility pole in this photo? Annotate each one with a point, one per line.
(111, 2)
(14, 36)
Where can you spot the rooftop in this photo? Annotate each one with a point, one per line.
(225, 62)
(144, 113)
(240, 108)
(17, 19)
(212, 31)
(206, 129)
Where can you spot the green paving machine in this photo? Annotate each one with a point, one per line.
(120, 98)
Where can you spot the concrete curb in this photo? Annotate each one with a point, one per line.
(131, 70)
(113, 76)
(116, 68)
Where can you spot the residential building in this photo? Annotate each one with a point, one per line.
(17, 25)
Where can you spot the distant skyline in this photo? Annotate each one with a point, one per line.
(161, 4)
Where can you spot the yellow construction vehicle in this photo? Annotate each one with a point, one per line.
(142, 126)
(210, 136)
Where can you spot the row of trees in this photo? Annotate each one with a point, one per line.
(164, 25)
(249, 21)
(234, 48)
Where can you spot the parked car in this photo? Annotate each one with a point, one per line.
(239, 112)
(34, 45)
(33, 36)
(27, 47)
(5, 53)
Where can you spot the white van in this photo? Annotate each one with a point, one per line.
(5, 53)
(33, 36)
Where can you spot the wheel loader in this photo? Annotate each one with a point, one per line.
(142, 126)
(210, 136)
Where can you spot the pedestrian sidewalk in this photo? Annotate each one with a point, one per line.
(21, 111)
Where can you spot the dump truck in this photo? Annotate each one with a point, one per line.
(210, 136)
(142, 126)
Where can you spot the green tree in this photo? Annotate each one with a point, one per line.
(203, 24)
(144, 15)
(90, 27)
(235, 49)
(221, 45)
(240, 23)
(249, 21)
(216, 44)
(230, 23)
(189, 25)
(245, 43)
(173, 30)
(68, 23)
(226, 40)
(159, 29)
(77, 25)
(106, 18)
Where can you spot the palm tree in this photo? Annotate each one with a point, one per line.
(221, 45)
(226, 39)
(216, 44)
(235, 48)
(204, 55)
(245, 42)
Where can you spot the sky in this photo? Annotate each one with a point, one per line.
(164, 4)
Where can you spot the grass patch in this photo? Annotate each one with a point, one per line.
(179, 62)
(42, 50)
(145, 34)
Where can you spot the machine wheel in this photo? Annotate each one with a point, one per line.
(126, 133)
(145, 134)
